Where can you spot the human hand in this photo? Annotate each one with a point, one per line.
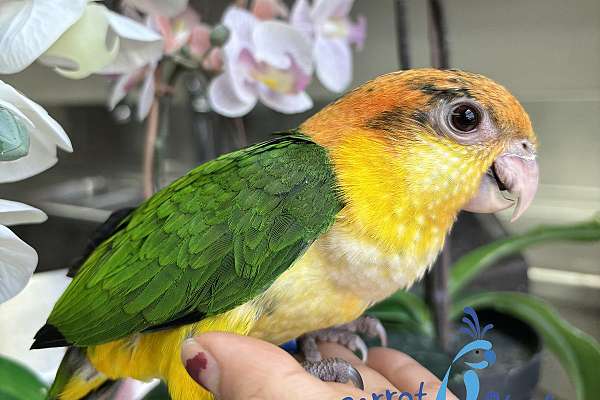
(236, 367)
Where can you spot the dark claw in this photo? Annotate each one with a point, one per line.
(355, 378)
(334, 370)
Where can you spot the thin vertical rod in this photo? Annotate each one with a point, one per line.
(402, 43)
(436, 281)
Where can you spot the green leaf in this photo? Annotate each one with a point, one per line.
(404, 308)
(578, 353)
(471, 264)
(19, 383)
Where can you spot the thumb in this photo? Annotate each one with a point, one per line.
(236, 367)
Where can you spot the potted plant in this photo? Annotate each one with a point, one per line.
(522, 323)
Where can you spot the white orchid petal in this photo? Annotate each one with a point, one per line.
(44, 123)
(119, 89)
(224, 100)
(146, 94)
(139, 45)
(167, 8)
(239, 76)
(17, 263)
(41, 156)
(276, 41)
(240, 22)
(14, 213)
(286, 103)
(326, 9)
(29, 28)
(300, 17)
(84, 48)
(333, 59)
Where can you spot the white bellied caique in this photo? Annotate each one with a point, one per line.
(296, 234)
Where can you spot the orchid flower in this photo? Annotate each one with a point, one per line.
(269, 60)
(28, 141)
(17, 259)
(328, 23)
(28, 138)
(179, 31)
(176, 31)
(127, 82)
(76, 37)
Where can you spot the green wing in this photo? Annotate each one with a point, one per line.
(212, 240)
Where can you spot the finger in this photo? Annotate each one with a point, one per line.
(373, 380)
(237, 367)
(404, 372)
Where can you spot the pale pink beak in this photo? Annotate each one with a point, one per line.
(516, 172)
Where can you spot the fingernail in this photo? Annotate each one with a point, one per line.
(200, 365)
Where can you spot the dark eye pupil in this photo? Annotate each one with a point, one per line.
(465, 118)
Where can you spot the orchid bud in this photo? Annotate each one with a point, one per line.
(219, 36)
(14, 136)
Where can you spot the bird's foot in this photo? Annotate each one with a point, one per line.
(334, 370)
(347, 335)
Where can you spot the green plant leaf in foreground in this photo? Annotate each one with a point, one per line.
(467, 267)
(19, 383)
(578, 353)
(404, 308)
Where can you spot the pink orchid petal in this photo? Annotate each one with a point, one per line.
(275, 42)
(163, 24)
(199, 41)
(269, 9)
(189, 17)
(224, 100)
(119, 90)
(358, 32)
(286, 103)
(333, 59)
(146, 93)
(214, 61)
(326, 9)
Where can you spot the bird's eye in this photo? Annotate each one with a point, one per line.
(464, 118)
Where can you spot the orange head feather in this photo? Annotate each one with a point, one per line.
(411, 150)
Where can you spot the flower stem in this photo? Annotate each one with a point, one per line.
(157, 130)
(150, 144)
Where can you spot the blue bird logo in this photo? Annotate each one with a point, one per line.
(477, 345)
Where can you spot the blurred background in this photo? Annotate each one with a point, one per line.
(547, 52)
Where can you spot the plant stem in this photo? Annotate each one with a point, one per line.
(436, 296)
(402, 42)
(157, 129)
(151, 134)
(437, 35)
(242, 139)
(436, 281)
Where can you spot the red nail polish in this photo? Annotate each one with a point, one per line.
(196, 365)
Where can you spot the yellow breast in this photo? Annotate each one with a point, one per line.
(340, 275)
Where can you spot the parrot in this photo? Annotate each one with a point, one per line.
(296, 234)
